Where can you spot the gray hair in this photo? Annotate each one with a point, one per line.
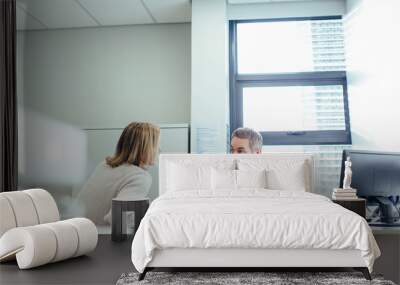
(254, 137)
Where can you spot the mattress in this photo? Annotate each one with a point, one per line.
(250, 219)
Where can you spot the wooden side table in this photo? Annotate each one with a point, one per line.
(357, 205)
(119, 206)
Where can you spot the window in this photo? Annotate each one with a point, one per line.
(288, 80)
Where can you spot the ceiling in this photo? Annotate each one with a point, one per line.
(56, 14)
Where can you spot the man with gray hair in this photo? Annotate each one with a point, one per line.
(246, 140)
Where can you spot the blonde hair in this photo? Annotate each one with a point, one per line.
(137, 145)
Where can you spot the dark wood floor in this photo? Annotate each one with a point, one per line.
(102, 266)
(106, 264)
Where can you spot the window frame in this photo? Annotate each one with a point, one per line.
(314, 78)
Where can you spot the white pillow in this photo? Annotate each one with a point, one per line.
(223, 179)
(282, 174)
(251, 178)
(289, 179)
(237, 179)
(188, 177)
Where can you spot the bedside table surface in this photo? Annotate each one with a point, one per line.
(350, 200)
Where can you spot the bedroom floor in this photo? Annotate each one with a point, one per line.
(103, 266)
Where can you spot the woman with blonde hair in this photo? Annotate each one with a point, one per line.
(122, 175)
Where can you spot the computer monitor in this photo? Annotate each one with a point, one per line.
(376, 176)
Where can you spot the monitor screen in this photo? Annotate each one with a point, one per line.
(374, 173)
(376, 176)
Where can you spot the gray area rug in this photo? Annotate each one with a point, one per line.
(269, 278)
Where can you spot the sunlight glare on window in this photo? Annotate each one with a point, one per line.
(291, 46)
(293, 108)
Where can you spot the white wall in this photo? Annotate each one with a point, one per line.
(210, 77)
(107, 77)
(373, 60)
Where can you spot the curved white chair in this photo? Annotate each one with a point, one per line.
(31, 232)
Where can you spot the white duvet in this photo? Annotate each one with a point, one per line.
(251, 218)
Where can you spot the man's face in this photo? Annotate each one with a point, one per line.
(239, 145)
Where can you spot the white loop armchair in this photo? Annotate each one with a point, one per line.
(31, 232)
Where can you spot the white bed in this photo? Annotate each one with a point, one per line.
(221, 211)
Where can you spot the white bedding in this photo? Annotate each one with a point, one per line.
(251, 218)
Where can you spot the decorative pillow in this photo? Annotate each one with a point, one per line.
(223, 179)
(282, 174)
(188, 177)
(251, 178)
(291, 179)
